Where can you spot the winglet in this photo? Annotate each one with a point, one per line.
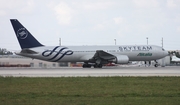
(25, 38)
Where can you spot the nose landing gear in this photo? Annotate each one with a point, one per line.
(156, 64)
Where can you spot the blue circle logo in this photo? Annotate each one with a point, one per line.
(22, 33)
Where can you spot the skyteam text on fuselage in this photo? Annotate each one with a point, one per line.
(95, 56)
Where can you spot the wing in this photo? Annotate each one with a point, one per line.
(102, 56)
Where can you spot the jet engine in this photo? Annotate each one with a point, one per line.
(121, 59)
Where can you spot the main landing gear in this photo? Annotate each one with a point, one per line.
(86, 65)
(98, 66)
(156, 64)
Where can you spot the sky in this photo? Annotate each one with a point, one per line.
(93, 22)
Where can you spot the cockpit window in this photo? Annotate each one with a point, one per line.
(163, 49)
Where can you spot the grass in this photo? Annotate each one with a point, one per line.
(90, 91)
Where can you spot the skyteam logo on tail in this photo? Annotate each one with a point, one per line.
(22, 33)
(57, 53)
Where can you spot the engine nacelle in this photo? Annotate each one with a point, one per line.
(121, 59)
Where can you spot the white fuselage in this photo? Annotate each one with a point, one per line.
(84, 53)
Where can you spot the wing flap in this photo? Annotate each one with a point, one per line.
(103, 55)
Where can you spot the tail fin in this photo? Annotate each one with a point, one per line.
(26, 40)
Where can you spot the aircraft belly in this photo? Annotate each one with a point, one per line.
(141, 58)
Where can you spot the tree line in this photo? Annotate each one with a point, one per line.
(174, 52)
(4, 51)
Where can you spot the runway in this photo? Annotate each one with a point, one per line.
(89, 72)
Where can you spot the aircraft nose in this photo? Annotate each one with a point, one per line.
(166, 53)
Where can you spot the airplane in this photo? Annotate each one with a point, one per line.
(175, 59)
(95, 56)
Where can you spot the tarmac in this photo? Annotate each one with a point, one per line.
(90, 72)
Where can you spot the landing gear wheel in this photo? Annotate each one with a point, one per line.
(156, 65)
(98, 66)
(85, 65)
(95, 66)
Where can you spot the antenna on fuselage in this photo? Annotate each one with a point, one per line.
(147, 40)
(59, 41)
(162, 42)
